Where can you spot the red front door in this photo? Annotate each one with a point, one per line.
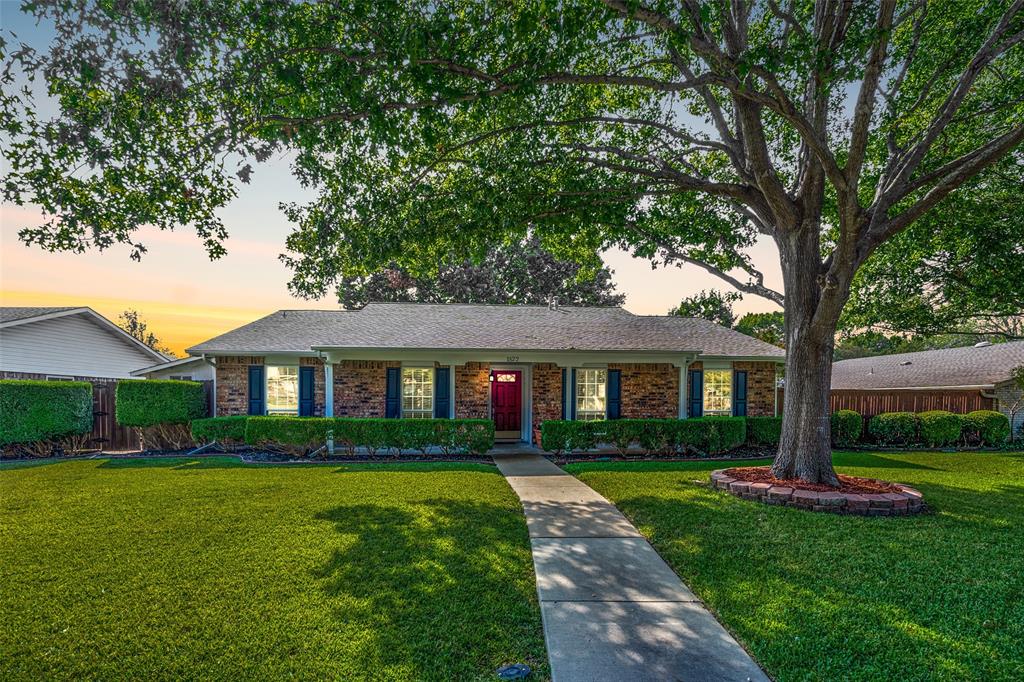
(507, 403)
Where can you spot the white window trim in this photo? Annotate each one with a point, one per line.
(575, 397)
(266, 389)
(401, 389)
(732, 397)
(59, 377)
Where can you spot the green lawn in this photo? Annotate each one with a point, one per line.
(820, 597)
(210, 569)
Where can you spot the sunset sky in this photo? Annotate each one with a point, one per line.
(187, 298)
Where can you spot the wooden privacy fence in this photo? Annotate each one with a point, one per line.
(107, 434)
(870, 403)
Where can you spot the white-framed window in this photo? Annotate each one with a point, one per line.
(282, 389)
(59, 377)
(591, 394)
(417, 392)
(718, 391)
(181, 377)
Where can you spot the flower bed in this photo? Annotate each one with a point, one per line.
(863, 496)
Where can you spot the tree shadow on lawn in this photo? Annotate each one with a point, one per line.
(444, 593)
(229, 462)
(819, 596)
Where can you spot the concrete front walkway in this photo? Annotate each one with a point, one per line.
(612, 608)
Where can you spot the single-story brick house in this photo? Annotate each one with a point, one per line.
(956, 379)
(518, 365)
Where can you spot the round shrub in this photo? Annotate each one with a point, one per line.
(939, 428)
(894, 428)
(847, 426)
(34, 411)
(987, 426)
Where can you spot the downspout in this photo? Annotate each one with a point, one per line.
(212, 361)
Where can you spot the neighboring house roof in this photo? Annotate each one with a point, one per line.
(483, 327)
(970, 367)
(178, 363)
(18, 316)
(27, 313)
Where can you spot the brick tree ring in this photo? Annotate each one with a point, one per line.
(863, 496)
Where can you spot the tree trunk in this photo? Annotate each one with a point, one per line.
(805, 448)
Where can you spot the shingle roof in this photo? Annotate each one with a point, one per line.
(483, 327)
(970, 366)
(12, 314)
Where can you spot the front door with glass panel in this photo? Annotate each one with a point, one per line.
(507, 404)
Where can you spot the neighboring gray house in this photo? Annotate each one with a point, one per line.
(955, 379)
(68, 343)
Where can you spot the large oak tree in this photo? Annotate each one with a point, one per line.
(681, 130)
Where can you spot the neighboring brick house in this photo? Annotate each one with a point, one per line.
(517, 365)
(955, 379)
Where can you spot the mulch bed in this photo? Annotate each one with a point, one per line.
(850, 484)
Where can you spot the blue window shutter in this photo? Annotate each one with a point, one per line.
(256, 389)
(442, 393)
(614, 388)
(565, 388)
(572, 395)
(306, 393)
(696, 393)
(392, 405)
(739, 394)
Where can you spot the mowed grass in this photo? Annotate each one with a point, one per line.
(205, 568)
(820, 597)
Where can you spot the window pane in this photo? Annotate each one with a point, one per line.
(718, 391)
(417, 392)
(282, 390)
(590, 394)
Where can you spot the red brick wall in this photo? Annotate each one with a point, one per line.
(760, 387)
(546, 391)
(649, 391)
(360, 388)
(233, 384)
(472, 391)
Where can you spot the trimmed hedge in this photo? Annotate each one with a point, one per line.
(302, 435)
(707, 435)
(847, 426)
(149, 402)
(894, 428)
(764, 430)
(988, 426)
(224, 430)
(939, 427)
(33, 411)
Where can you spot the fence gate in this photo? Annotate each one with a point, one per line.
(106, 433)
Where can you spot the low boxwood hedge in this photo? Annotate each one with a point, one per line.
(149, 402)
(34, 411)
(987, 426)
(228, 431)
(705, 435)
(894, 428)
(847, 426)
(939, 427)
(764, 430)
(302, 435)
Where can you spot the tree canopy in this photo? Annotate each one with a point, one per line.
(132, 322)
(682, 131)
(713, 305)
(520, 272)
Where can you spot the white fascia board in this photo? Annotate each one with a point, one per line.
(966, 387)
(167, 365)
(740, 358)
(461, 357)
